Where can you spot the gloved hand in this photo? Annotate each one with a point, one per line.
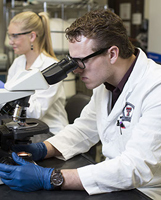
(38, 150)
(26, 176)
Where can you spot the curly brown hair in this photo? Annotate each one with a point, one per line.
(105, 27)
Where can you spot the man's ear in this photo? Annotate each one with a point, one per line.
(32, 36)
(113, 54)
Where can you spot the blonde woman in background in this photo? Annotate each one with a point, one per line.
(29, 35)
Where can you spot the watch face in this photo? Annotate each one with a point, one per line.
(57, 179)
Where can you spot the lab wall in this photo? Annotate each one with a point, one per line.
(1, 27)
(154, 33)
(152, 11)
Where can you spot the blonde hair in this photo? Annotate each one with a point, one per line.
(39, 23)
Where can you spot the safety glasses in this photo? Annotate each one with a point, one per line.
(80, 61)
(16, 35)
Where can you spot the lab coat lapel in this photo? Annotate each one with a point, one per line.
(38, 62)
(134, 79)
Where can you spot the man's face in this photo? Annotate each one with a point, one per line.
(97, 69)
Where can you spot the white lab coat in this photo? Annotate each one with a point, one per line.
(46, 105)
(133, 155)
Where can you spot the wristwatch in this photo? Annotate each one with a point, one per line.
(56, 179)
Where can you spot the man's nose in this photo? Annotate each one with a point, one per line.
(78, 70)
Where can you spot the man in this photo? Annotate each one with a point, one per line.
(124, 113)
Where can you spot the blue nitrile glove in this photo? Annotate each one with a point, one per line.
(1, 84)
(26, 176)
(38, 150)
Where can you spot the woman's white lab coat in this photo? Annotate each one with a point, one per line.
(130, 134)
(47, 105)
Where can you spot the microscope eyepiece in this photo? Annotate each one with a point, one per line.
(58, 71)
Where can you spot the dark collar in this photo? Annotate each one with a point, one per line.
(121, 84)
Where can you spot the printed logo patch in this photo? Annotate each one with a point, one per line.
(126, 115)
(127, 112)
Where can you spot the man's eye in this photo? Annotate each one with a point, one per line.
(85, 61)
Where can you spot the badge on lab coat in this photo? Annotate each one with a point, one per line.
(126, 115)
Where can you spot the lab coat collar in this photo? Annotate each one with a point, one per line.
(39, 61)
(138, 71)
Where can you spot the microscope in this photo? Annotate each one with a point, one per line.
(17, 129)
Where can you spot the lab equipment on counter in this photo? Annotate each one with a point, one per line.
(18, 129)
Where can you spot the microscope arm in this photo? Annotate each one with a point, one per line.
(26, 82)
(23, 84)
(7, 96)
